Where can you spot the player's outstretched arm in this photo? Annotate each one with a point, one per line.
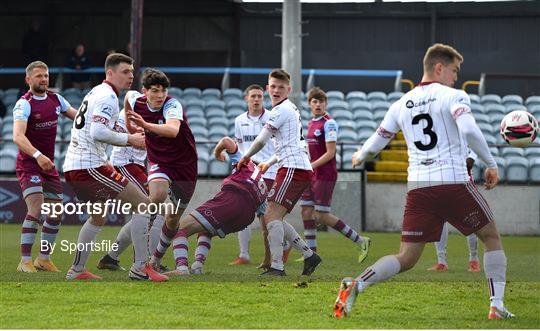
(20, 139)
(263, 166)
(128, 112)
(476, 141)
(70, 113)
(168, 130)
(257, 145)
(225, 144)
(372, 146)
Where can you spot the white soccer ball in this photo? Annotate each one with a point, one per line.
(519, 128)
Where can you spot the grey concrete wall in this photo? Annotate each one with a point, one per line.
(516, 208)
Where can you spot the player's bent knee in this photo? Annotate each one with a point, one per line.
(33, 204)
(307, 212)
(96, 220)
(409, 254)
(274, 212)
(490, 237)
(190, 225)
(172, 220)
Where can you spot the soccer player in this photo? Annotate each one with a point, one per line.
(35, 121)
(246, 128)
(87, 171)
(440, 248)
(130, 162)
(437, 123)
(172, 157)
(317, 198)
(294, 172)
(472, 239)
(242, 194)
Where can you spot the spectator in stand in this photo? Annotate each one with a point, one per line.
(35, 45)
(79, 61)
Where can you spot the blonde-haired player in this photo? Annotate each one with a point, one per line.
(437, 123)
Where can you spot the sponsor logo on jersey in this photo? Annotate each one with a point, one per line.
(427, 162)
(35, 179)
(44, 125)
(154, 167)
(106, 109)
(249, 138)
(464, 101)
(100, 119)
(332, 134)
(410, 104)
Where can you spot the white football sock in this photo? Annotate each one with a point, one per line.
(386, 267)
(87, 235)
(440, 245)
(275, 241)
(292, 237)
(244, 237)
(472, 240)
(155, 232)
(139, 236)
(180, 249)
(123, 240)
(495, 270)
(204, 243)
(49, 231)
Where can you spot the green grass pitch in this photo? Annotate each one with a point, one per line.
(234, 297)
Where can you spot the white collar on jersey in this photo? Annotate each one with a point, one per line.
(318, 118)
(255, 117)
(152, 109)
(38, 97)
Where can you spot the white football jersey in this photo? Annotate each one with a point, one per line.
(286, 126)
(99, 105)
(246, 129)
(120, 155)
(427, 116)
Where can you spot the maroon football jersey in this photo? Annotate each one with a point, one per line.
(250, 180)
(174, 152)
(318, 131)
(41, 127)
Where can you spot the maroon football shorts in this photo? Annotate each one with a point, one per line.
(227, 212)
(289, 185)
(426, 210)
(96, 184)
(319, 194)
(136, 174)
(182, 180)
(35, 180)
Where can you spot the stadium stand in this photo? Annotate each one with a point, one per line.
(211, 115)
